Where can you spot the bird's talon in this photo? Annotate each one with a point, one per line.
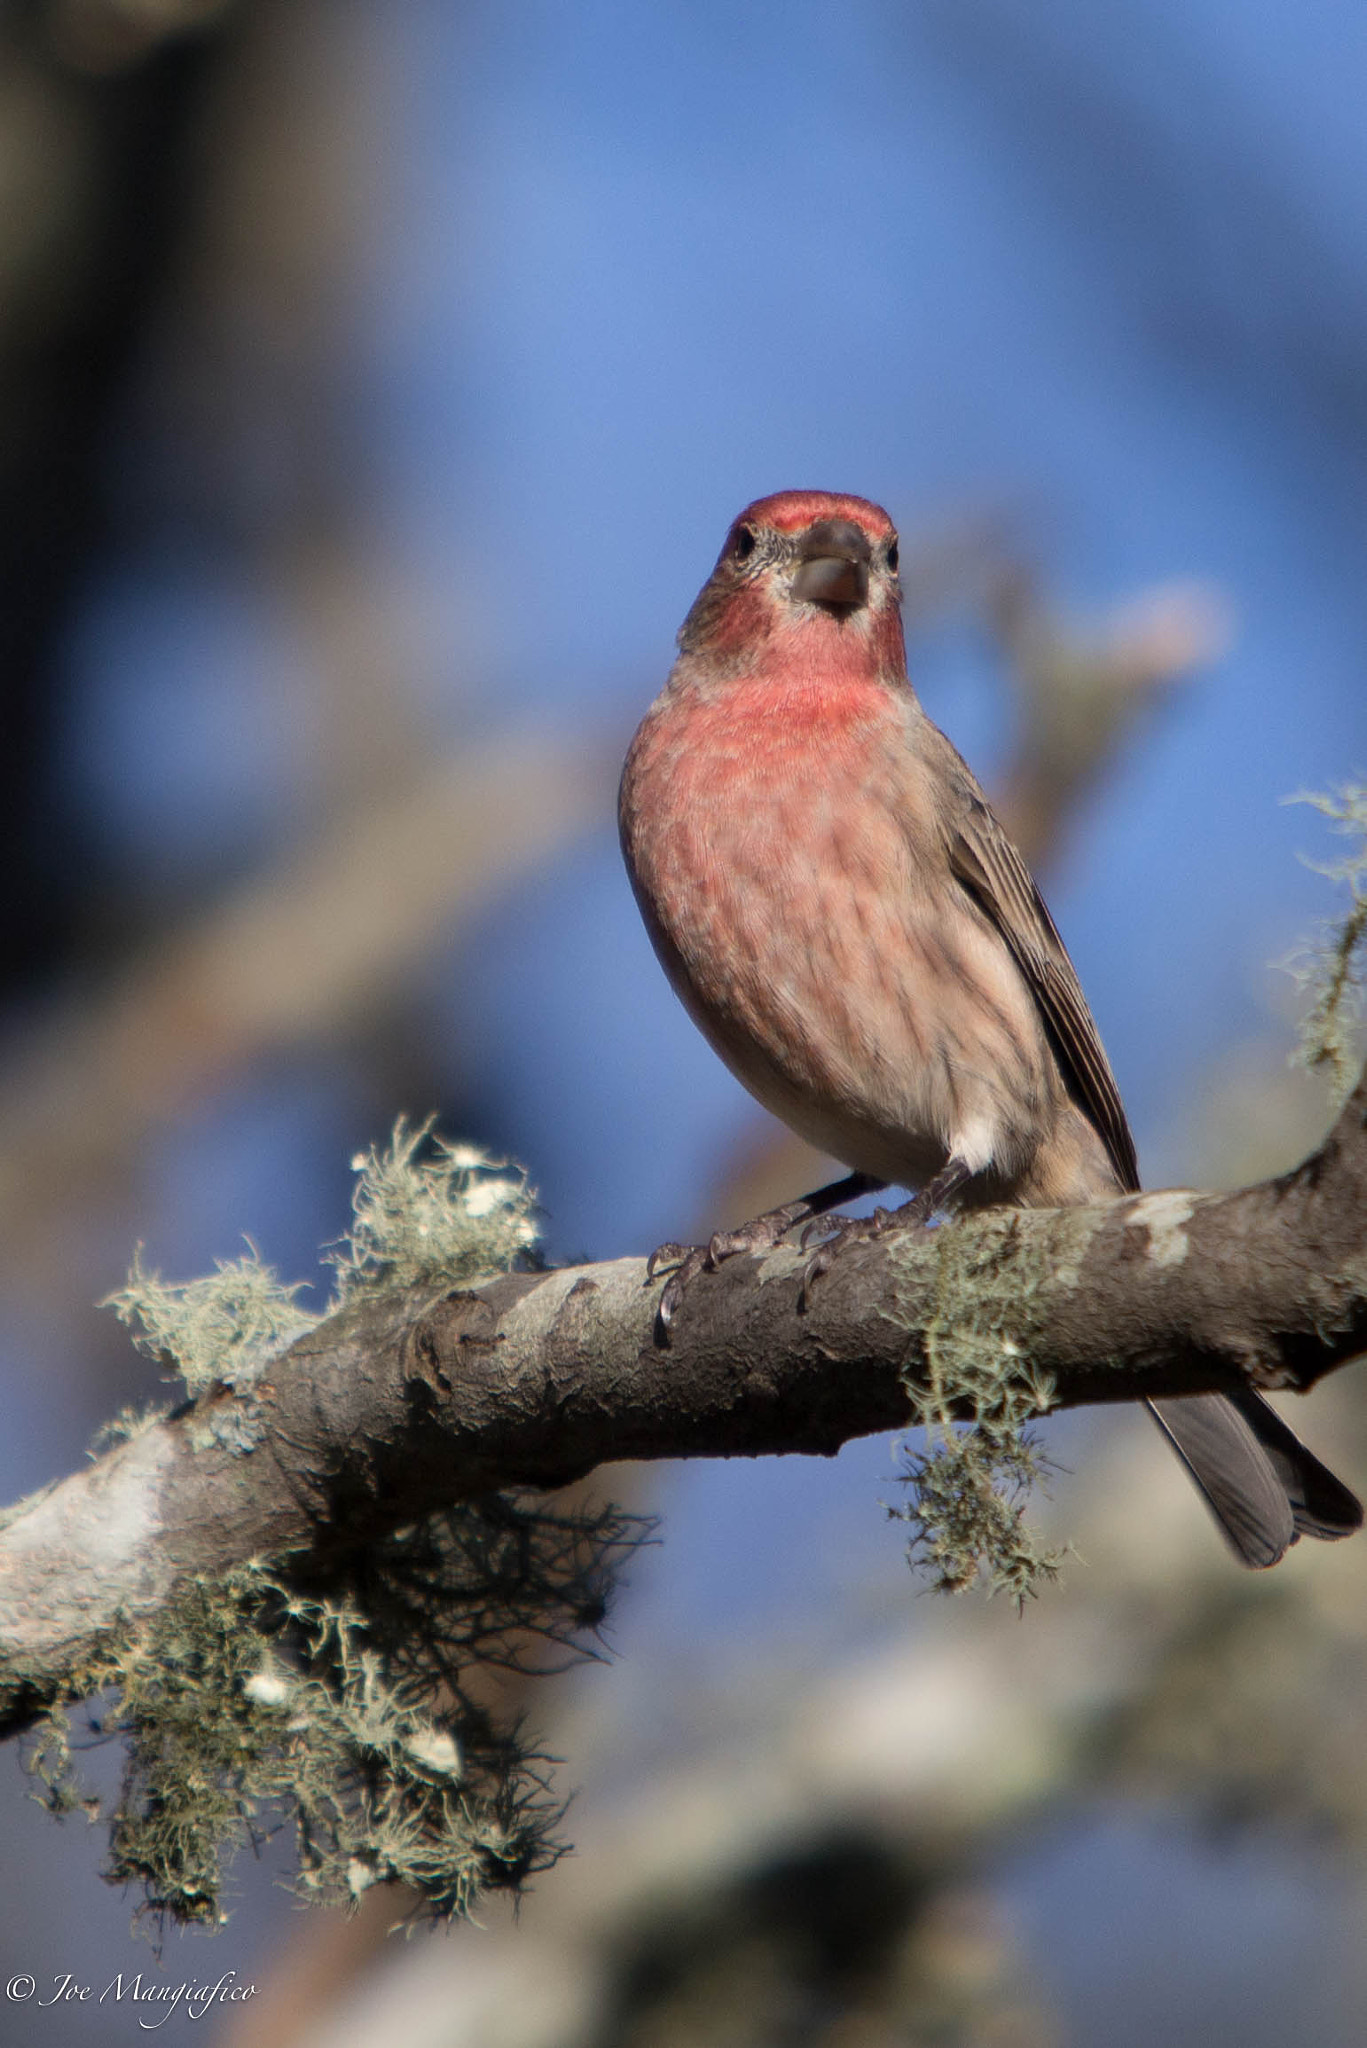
(665, 1255)
(760, 1235)
(850, 1230)
(811, 1273)
(827, 1227)
(688, 1261)
(669, 1301)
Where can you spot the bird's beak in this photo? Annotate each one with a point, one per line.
(833, 565)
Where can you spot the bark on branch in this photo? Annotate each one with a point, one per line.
(410, 1401)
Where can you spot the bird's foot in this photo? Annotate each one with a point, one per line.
(918, 1213)
(761, 1235)
(844, 1231)
(688, 1260)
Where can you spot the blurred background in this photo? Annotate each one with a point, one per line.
(377, 383)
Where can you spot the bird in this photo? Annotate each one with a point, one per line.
(849, 925)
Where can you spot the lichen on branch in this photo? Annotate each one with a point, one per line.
(218, 1330)
(253, 1700)
(425, 1211)
(974, 1392)
(1329, 968)
(248, 1704)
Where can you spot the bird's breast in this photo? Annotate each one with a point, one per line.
(784, 849)
(747, 789)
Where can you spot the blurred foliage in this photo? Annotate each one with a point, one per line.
(99, 107)
(844, 1940)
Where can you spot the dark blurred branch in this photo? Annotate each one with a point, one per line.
(297, 955)
(96, 161)
(1083, 689)
(1084, 693)
(403, 1403)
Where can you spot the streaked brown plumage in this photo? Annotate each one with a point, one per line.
(844, 918)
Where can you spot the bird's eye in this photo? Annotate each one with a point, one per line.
(744, 544)
(893, 557)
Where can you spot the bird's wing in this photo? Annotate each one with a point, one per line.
(988, 866)
(1261, 1483)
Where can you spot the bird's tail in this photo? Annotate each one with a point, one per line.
(1264, 1488)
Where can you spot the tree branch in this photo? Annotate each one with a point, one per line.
(405, 1402)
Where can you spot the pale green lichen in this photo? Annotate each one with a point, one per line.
(1329, 967)
(974, 1391)
(218, 1330)
(134, 1419)
(970, 1487)
(246, 1705)
(353, 1708)
(427, 1211)
(424, 1212)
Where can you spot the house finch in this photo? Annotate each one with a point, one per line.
(848, 924)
